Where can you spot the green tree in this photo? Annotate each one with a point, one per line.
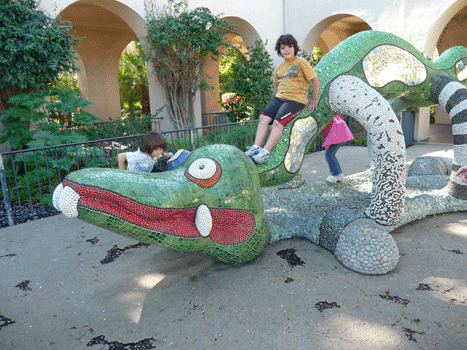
(251, 82)
(232, 57)
(315, 56)
(34, 49)
(67, 81)
(133, 82)
(179, 40)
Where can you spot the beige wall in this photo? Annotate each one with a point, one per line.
(100, 54)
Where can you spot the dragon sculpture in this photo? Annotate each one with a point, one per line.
(216, 202)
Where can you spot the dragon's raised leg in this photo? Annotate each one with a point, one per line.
(360, 243)
(351, 96)
(453, 197)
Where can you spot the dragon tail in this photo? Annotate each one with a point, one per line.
(452, 95)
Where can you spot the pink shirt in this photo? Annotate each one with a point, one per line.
(336, 132)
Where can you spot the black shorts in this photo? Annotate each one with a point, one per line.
(282, 110)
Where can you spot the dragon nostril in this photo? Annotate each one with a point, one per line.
(201, 167)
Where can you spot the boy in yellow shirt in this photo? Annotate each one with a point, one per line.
(291, 81)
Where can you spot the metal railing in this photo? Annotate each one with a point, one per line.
(214, 118)
(29, 177)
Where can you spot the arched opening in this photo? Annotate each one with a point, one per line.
(133, 82)
(229, 58)
(453, 34)
(210, 101)
(331, 31)
(106, 28)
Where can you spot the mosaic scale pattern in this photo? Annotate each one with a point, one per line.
(349, 95)
(213, 203)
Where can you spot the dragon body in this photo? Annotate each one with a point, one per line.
(213, 202)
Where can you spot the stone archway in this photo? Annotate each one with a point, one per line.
(246, 38)
(328, 33)
(106, 27)
(442, 28)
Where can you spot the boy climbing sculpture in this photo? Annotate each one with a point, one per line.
(291, 82)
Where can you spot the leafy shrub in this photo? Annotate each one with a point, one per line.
(314, 57)
(239, 135)
(359, 141)
(34, 49)
(117, 128)
(251, 82)
(231, 57)
(238, 109)
(36, 119)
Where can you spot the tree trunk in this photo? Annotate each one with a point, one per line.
(145, 99)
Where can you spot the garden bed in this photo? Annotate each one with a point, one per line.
(26, 213)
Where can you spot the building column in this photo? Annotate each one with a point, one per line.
(422, 124)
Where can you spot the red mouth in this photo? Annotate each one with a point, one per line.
(229, 226)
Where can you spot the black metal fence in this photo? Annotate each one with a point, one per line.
(220, 117)
(29, 177)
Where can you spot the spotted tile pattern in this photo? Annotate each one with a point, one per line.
(349, 95)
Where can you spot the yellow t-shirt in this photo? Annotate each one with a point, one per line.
(293, 79)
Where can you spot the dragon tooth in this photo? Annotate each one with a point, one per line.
(203, 220)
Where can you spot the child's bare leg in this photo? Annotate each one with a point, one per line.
(262, 131)
(275, 135)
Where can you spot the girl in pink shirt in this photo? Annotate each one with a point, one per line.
(335, 134)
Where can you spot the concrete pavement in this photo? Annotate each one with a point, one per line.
(68, 285)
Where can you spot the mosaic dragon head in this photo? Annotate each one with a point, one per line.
(210, 204)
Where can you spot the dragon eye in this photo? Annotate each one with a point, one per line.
(204, 172)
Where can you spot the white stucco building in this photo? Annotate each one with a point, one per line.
(107, 26)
